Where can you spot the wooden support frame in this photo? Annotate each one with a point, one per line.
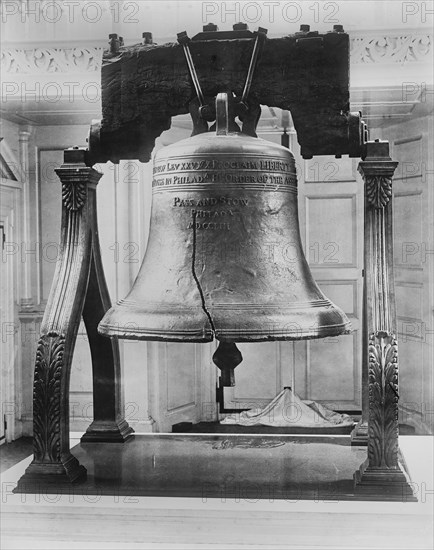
(381, 473)
(78, 290)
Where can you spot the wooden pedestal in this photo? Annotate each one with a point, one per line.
(380, 357)
(79, 290)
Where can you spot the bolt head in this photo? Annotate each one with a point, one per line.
(240, 27)
(147, 37)
(211, 27)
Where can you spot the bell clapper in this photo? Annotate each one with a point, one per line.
(227, 356)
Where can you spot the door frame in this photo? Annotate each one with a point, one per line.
(10, 192)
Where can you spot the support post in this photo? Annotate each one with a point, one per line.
(27, 303)
(78, 289)
(381, 473)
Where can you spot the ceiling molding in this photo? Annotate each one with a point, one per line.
(390, 48)
(84, 59)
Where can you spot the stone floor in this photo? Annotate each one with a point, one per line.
(14, 452)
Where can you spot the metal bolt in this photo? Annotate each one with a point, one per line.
(240, 27)
(147, 37)
(211, 27)
(114, 43)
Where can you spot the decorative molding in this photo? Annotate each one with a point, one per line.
(378, 190)
(381, 48)
(397, 48)
(51, 60)
(383, 400)
(74, 194)
(46, 397)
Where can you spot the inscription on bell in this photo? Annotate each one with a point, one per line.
(208, 225)
(192, 165)
(211, 219)
(211, 201)
(232, 171)
(224, 177)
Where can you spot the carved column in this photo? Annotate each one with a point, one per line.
(381, 472)
(78, 289)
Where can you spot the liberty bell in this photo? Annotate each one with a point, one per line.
(224, 258)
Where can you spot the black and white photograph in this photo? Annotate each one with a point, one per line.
(217, 275)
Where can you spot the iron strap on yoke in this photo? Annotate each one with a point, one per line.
(207, 112)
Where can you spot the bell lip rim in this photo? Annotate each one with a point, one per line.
(211, 335)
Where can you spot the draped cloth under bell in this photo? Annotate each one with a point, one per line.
(287, 409)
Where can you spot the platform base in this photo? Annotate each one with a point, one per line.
(359, 435)
(394, 484)
(216, 427)
(107, 432)
(41, 475)
(223, 466)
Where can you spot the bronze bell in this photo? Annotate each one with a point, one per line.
(224, 257)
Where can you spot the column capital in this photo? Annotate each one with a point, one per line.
(76, 178)
(377, 170)
(377, 160)
(25, 132)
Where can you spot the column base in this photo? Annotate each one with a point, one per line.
(41, 474)
(389, 484)
(101, 431)
(359, 435)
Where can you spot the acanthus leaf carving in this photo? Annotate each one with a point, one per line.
(46, 397)
(378, 190)
(383, 399)
(74, 195)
